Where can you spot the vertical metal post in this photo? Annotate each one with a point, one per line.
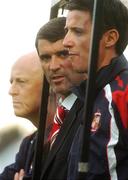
(83, 165)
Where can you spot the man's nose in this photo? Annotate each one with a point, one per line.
(13, 90)
(55, 63)
(67, 42)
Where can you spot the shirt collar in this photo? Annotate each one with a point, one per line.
(68, 101)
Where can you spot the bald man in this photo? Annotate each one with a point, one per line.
(26, 84)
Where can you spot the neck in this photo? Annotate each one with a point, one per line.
(63, 96)
(106, 60)
(35, 120)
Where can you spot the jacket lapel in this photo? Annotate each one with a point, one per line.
(63, 134)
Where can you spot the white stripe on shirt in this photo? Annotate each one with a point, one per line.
(114, 135)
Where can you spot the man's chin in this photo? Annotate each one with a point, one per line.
(19, 114)
(59, 90)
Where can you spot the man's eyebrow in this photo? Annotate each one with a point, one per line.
(63, 52)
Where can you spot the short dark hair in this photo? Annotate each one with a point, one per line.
(115, 15)
(52, 31)
(83, 5)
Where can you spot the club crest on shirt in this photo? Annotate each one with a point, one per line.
(96, 122)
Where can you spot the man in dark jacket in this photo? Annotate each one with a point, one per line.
(26, 84)
(108, 157)
(56, 65)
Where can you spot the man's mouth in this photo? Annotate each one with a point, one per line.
(72, 53)
(57, 79)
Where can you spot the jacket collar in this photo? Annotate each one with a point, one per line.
(104, 76)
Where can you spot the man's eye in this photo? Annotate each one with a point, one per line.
(78, 31)
(21, 81)
(45, 57)
(66, 30)
(11, 81)
(63, 53)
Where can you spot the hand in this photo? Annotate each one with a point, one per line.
(19, 175)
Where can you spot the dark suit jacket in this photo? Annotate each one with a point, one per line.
(23, 159)
(55, 167)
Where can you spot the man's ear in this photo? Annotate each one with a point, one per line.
(111, 37)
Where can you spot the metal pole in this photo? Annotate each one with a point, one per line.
(83, 165)
(38, 155)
